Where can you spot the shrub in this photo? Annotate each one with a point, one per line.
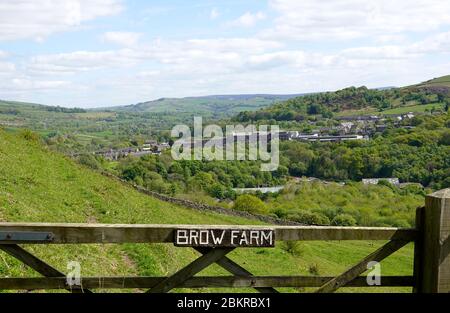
(314, 269)
(343, 220)
(445, 138)
(385, 182)
(310, 218)
(292, 247)
(29, 135)
(217, 191)
(89, 160)
(250, 203)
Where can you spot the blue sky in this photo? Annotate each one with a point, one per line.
(92, 53)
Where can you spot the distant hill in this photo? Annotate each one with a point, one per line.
(440, 81)
(215, 106)
(116, 124)
(428, 96)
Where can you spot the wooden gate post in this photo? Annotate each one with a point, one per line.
(435, 265)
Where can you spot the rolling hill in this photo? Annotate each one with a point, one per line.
(440, 81)
(209, 107)
(115, 126)
(428, 96)
(37, 185)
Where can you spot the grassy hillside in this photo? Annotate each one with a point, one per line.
(207, 106)
(440, 81)
(429, 96)
(40, 186)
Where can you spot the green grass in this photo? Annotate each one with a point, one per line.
(37, 185)
(439, 81)
(414, 108)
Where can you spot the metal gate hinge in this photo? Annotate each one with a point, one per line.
(25, 236)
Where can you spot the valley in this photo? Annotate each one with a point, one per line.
(321, 179)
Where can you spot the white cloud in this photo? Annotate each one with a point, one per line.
(221, 54)
(214, 14)
(438, 43)
(377, 52)
(271, 62)
(340, 20)
(6, 67)
(122, 38)
(247, 20)
(81, 61)
(38, 19)
(28, 84)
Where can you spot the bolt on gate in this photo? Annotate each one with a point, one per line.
(431, 252)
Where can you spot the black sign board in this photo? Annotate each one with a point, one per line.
(215, 237)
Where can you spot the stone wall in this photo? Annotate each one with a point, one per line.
(206, 207)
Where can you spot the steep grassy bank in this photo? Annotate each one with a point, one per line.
(40, 186)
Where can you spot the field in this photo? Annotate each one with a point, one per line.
(37, 185)
(95, 129)
(440, 81)
(414, 108)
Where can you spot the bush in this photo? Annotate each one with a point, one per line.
(250, 203)
(217, 191)
(385, 182)
(343, 220)
(314, 269)
(89, 160)
(28, 135)
(445, 138)
(310, 218)
(292, 247)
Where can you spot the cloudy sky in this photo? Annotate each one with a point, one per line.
(91, 53)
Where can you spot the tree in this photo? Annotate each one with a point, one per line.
(310, 218)
(343, 220)
(250, 203)
(217, 191)
(445, 138)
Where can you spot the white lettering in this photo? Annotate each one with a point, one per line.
(217, 240)
(267, 236)
(234, 235)
(182, 237)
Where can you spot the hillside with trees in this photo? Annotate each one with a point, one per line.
(434, 94)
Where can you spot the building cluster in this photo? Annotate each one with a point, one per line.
(295, 135)
(367, 125)
(350, 128)
(149, 147)
(374, 181)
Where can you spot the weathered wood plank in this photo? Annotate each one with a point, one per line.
(234, 268)
(42, 283)
(37, 264)
(190, 270)
(436, 243)
(356, 270)
(139, 233)
(418, 251)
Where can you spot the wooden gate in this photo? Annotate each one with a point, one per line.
(431, 257)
